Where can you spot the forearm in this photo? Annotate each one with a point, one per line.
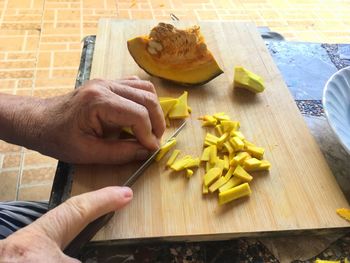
(21, 120)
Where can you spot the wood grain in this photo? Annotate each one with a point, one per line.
(298, 194)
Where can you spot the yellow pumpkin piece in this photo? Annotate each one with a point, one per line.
(189, 173)
(264, 166)
(167, 104)
(226, 163)
(180, 164)
(237, 134)
(180, 109)
(189, 109)
(213, 154)
(211, 138)
(251, 163)
(167, 121)
(172, 157)
(192, 163)
(242, 174)
(344, 213)
(228, 126)
(228, 147)
(220, 164)
(246, 79)
(208, 166)
(248, 143)
(218, 130)
(205, 189)
(128, 130)
(176, 55)
(239, 158)
(237, 143)
(212, 175)
(234, 193)
(221, 116)
(165, 148)
(205, 154)
(257, 152)
(223, 138)
(229, 173)
(232, 182)
(327, 261)
(218, 183)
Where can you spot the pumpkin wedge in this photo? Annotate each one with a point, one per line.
(180, 56)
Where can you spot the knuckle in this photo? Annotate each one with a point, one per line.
(151, 100)
(78, 207)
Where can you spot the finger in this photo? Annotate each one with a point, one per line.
(115, 151)
(120, 111)
(139, 84)
(131, 78)
(67, 220)
(148, 100)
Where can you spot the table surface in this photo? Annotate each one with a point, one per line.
(308, 103)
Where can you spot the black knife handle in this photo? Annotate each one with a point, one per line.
(87, 234)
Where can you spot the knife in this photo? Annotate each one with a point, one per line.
(91, 229)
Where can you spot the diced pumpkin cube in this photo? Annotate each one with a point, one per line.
(228, 147)
(223, 138)
(220, 116)
(180, 164)
(344, 213)
(234, 181)
(167, 121)
(237, 134)
(239, 158)
(264, 166)
(220, 164)
(218, 130)
(205, 189)
(189, 173)
(189, 109)
(246, 79)
(208, 166)
(128, 130)
(226, 163)
(228, 126)
(165, 148)
(172, 157)
(257, 152)
(234, 193)
(251, 163)
(248, 143)
(229, 173)
(192, 163)
(218, 183)
(211, 138)
(213, 154)
(242, 174)
(327, 261)
(212, 175)
(167, 104)
(180, 109)
(237, 143)
(205, 154)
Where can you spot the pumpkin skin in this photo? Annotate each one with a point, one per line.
(180, 56)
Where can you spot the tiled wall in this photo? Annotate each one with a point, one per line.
(40, 51)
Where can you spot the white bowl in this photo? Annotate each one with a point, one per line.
(336, 104)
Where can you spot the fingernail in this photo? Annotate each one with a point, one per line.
(142, 154)
(127, 192)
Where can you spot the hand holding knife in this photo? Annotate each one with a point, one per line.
(90, 230)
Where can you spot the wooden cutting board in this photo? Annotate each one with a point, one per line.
(299, 192)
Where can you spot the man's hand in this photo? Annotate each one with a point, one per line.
(44, 240)
(76, 127)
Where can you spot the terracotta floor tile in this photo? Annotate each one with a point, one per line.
(11, 160)
(8, 185)
(46, 93)
(35, 159)
(35, 192)
(36, 176)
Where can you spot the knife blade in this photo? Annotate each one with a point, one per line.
(91, 229)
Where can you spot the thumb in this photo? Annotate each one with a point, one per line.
(67, 220)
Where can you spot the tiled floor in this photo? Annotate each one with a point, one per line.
(40, 50)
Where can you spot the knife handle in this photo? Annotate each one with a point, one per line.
(87, 234)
